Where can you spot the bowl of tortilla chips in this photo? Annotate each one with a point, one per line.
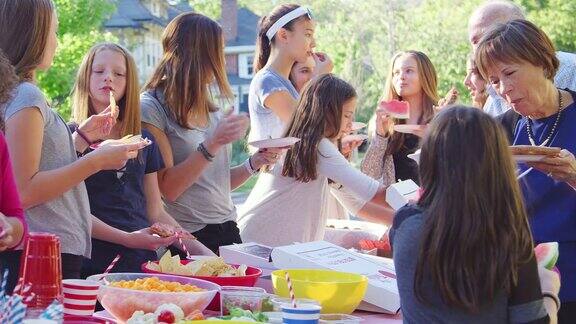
(212, 269)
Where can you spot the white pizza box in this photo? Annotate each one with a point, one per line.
(382, 292)
(251, 254)
(400, 193)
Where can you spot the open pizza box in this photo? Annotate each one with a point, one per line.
(382, 292)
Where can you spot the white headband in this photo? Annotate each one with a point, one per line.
(300, 11)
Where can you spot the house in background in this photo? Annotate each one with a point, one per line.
(240, 27)
(138, 25)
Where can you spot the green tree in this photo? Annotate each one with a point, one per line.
(79, 28)
(209, 8)
(556, 18)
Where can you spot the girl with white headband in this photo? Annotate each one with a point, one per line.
(285, 36)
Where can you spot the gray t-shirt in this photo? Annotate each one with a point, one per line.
(208, 200)
(67, 216)
(522, 305)
(264, 123)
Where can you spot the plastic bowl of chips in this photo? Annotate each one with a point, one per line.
(243, 276)
(122, 294)
(210, 269)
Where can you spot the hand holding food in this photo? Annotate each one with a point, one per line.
(449, 99)
(323, 63)
(98, 126)
(128, 139)
(166, 230)
(560, 167)
(384, 122)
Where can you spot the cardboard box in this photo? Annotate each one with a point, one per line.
(400, 193)
(251, 254)
(382, 292)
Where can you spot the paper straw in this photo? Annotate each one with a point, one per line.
(184, 248)
(26, 289)
(290, 289)
(30, 298)
(112, 264)
(18, 285)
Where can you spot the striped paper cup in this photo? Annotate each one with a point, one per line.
(303, 314)
(79, 296)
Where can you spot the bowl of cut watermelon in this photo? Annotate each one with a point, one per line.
(380, 247)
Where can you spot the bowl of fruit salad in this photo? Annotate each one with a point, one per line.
(122, 294)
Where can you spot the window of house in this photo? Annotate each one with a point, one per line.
(246, 66)
(250, 65)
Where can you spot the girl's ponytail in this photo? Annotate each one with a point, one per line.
(263, 44)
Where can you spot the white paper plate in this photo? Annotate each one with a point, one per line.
(355, 137)
(415, 156)
(356, 126)
(409, 129)
(275, 142)
(528, 158)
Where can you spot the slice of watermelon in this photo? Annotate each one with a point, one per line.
(396, 109)
(547, 254)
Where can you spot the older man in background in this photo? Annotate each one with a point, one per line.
(496, 12)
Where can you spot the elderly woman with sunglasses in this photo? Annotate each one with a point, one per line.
(519, 61)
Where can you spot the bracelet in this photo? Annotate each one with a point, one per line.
(84, 137)
(202, 149)
(248, 166)
(553, 297)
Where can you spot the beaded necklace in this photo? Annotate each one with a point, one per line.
(529, 128)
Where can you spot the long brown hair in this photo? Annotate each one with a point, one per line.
(263, 44)
(193, 56)
(8, 82)
(129, 104)
(429, 82)
(318, 115)
(476, 231)
(24, 28)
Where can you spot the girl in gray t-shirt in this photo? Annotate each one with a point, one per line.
(272, 97)
(47, 170)
(194, 135)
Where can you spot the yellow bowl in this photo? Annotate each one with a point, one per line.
(337, 292)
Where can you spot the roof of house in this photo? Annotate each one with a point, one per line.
(247, 28)
(234, 79)
(132, 14)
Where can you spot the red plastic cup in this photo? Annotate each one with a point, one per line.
(79, 296)
(41, 267)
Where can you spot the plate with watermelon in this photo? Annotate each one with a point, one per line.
(547, 254)
(397, 109)
(409, 129)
